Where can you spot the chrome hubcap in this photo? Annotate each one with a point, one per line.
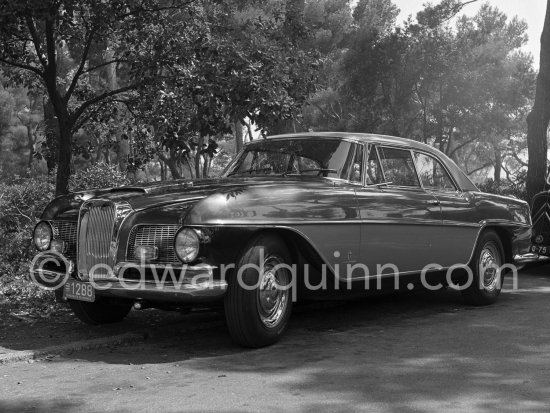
(273, 293)
(489, 263)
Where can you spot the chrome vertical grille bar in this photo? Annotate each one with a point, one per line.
(95, 235)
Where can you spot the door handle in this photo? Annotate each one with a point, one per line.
(434, 202)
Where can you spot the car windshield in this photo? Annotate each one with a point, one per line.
(329, 158)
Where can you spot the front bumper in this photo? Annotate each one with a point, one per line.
(162, 283)
(524, 259)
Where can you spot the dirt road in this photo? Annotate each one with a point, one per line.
(413, 352)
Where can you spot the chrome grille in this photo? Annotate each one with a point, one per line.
(160, 236)
(95, 236)
(66, 231)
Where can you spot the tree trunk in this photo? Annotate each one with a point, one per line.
(205, 166)
(537, 121)
(63, 158)
(30, 144)
(198, 156)
(498, 167)
(171, 164)
(162, 171)
(123, 145)
(52, 133)
(238, 135)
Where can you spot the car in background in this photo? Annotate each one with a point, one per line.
(298, 216)
(540, 210)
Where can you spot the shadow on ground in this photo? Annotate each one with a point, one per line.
(416, 351)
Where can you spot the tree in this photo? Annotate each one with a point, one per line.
(538, 119)
(37, 35)
(248, 67)
(462, 87)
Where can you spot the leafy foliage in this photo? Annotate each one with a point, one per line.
(464, 87)
(21, 204)
(97, 176)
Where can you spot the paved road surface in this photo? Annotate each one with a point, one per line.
(415, 352)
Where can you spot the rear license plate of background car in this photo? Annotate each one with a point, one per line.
(76, 290)
(540, 250)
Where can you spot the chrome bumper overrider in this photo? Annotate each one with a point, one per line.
(187, 284)
(529, 258)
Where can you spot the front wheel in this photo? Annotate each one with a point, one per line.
(100, 312)
(258, 301)
(485, 285)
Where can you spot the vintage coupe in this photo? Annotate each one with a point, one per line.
(293, 216)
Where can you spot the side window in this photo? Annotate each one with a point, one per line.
(398, 167)
(433, 174)
(374, 171)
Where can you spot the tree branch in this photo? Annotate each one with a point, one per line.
(103, 96)
(103, 64)
(485, 165)
(462, 145)
(517, 158)
(36, 40)
(22, 66)
(50, 47)
(80, 70)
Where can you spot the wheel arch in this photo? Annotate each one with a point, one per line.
(300, 248)
(505, 234)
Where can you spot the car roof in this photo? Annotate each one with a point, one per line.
(358, 137)
(462, 179)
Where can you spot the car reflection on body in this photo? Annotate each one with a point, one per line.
(301, 216)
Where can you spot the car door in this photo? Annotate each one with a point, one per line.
(458, 212)
(400, 221)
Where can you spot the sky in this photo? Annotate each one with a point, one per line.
(532, 11)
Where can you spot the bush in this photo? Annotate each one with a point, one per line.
(97, 176)
(516, 189)
(21, 204)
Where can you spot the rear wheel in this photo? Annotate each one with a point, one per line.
(100, 312)
(258, 302)
(486, 283)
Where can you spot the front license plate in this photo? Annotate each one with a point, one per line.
(76, 290)
(537, 249)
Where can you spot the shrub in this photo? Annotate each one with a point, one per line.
(21, 204)
(97, 176)
(516, 189)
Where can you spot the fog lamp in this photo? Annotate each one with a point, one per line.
(59, 246)
(146, 252)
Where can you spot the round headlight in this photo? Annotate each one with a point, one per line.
(187, 244)
(42, 236)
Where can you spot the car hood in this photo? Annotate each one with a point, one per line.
(155, 194)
